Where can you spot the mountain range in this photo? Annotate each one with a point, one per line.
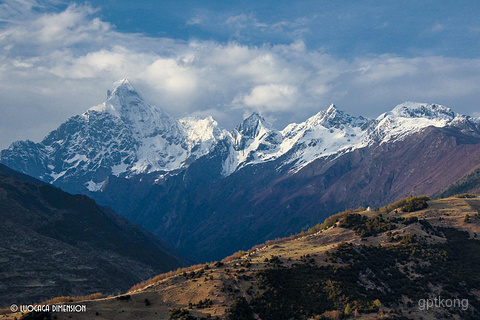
(209, 192)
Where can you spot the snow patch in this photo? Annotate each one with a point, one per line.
(77, 158)
(94, 187)
(56, 176)
(119, 168)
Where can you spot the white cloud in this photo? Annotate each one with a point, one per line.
(384, 68)
(56, 65)
(271, 97)
(20, 10)
(174, 80)
(200, 19)
(73, 26)
(243, 25)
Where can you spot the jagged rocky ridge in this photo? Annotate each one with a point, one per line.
(208, 192)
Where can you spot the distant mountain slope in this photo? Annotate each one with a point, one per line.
(357, 265)
(467, 184)
(259, 202)
(53, 243)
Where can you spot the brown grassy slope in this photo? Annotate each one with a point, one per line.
(222, 284)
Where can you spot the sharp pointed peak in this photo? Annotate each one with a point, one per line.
(123, 83)
(332, 110)
(251, 124)
(121, 87)
(255, 116)
(122, 99)
(333, 116)
(332, 107)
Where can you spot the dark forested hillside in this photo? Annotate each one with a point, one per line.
(54, 243)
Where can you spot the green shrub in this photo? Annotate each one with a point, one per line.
(410, 220)
(364, 226)
(465, 195)
(181, 314)
(409, 204)
(240, 310)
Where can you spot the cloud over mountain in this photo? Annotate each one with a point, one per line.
(54, 62)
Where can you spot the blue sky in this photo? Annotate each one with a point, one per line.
(284, 59)
(345, 29)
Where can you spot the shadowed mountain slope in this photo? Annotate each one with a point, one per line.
(54, 243)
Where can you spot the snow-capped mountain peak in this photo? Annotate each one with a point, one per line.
(408, 118)
(119, 100)
(333, 117)
(423, 110)
(253, 126)
(254, 140)
(253, 131)
(120, 87)
(123, 98)
(327, 132)
(142, 118)
(123, 136)
(199, 129)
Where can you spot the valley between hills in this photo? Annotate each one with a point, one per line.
(358, 264)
